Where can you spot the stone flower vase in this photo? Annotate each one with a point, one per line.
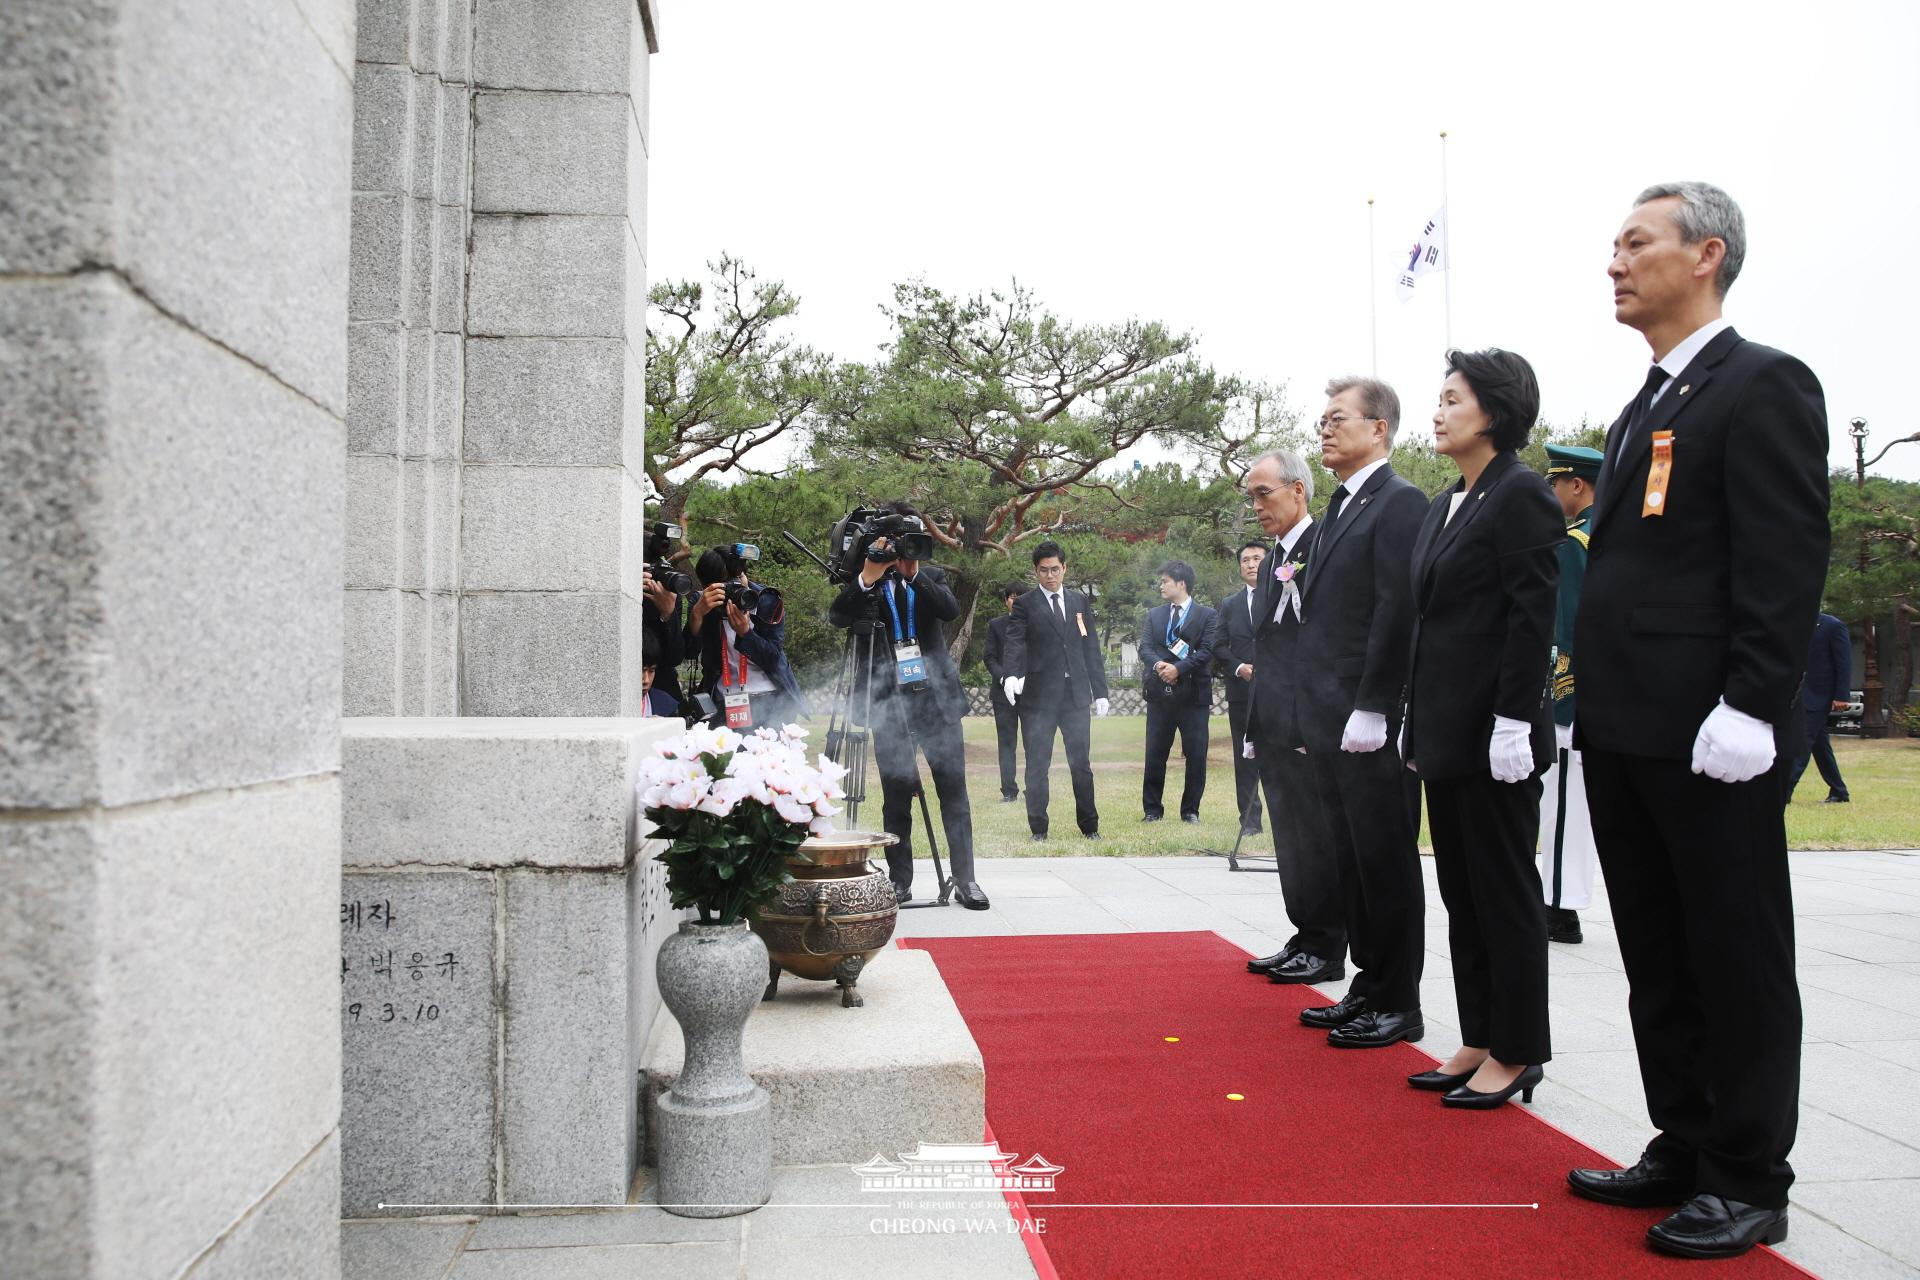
(715, 1128)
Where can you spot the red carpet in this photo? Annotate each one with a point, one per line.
(1073, 1030)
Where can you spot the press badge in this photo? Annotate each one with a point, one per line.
(908, 666)
(1179, 648)
(739, 711)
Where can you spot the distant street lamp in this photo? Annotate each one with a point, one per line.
(1872, 724)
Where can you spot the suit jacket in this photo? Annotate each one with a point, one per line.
(1041, 648)
(1358, 605)
(1234, 643)
(933, 604)
(997, 658)
(1717, 596)
(1196, 669)
(1484, 586)
(1273, 720)
(764, 644)
(1829, 667)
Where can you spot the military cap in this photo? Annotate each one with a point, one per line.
(1572, 460)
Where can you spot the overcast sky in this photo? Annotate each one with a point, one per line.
(1208, 165)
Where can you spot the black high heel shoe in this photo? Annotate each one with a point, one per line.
(1522, 1084)
(1440, 1081)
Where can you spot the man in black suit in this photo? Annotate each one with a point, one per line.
(1176, 648)
(1349, 671)
(917, 703)
(1280, 485)
(1825, 689)
(1054, 671)
(1703, 579)
(1234, 650)
(1006, 720)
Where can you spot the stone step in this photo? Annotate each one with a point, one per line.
(848, 1084)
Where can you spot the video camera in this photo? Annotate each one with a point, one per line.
(660, 540)
(851, 541)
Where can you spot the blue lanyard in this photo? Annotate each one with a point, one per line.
(1173, 623)
(894, 609)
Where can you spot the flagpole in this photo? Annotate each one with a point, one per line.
(1373, 292)
(1446, 235)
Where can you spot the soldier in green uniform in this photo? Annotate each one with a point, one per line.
(1567, 858)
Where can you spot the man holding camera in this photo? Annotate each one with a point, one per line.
(1055, 670)
(740, 628)
(917, 702)
(661, 586)
(1176, 645)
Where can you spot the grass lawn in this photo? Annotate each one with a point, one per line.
(1883, 776)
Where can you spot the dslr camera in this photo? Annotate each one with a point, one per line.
(851, 541)
(735, 559)
(660, 540)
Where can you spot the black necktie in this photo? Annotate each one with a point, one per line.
(1339, 500)
(1643, 404)
(1059, 610)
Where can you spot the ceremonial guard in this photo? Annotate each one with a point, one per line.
(1567, 859)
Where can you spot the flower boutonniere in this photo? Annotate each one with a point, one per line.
(1286, 574)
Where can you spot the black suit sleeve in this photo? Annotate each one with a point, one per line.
(996, 665)
(1404, 508)
(1014, 659)
(1096, 663)
(1527, 533)
(1199, 659)
(1151, 648)
(932, 594)
(1778, 533)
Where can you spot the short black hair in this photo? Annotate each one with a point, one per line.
(1049, 548)
(1261, 547)
(1508, 393)
(649, 650)
(714, 565)
(1011, 588)
(1180, 571)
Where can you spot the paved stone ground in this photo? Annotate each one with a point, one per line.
(1857, 1158)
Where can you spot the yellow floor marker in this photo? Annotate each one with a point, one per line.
(1236, 1097)
(1173, 1039)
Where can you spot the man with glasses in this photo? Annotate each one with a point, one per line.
(1055, 672)
(1350, 667)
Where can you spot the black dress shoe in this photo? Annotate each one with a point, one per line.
(901, 894)
(1303, 966)
(1649, 1184)
(969, 896)
(1266, 964)
(1375, 1030)
(1834, 798)
(1328, 1016)
(1005, 798)
(1038, 837)
(1439, 1080)
(1093, 834)
(1563, 925)
(1474, 1100)
(1150, 817)
(1710, 1226)
(1192, 819)
(1250, 831)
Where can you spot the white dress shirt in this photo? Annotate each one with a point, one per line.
(1681, 356)
(1353, 482)
(1288, 541)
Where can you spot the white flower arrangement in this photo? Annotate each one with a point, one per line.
(735, 807)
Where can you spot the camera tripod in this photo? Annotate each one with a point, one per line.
(850, 725)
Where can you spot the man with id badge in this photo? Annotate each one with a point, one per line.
(740, 629)
(917, 703)
(1176, 648)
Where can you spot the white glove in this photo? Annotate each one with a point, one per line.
(1366, 731)
(1246, 749)
(1013, 685)
(1563, 736)
(1400, 745)
(1510, 753)
(1732, 746)
(1101, 706)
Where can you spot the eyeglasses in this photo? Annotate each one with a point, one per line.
(1334, 422)
(1261, 492)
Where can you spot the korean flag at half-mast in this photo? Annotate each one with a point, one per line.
(1429, 253)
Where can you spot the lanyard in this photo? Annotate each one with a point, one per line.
(1173, 623)
(894, 609)
(726, 669)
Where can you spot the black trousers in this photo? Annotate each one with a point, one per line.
(1484, 833)
(1038, 721)
(1817, 745)
(1164, 718)
(1246, 773)
(1697, 875)
(894, 753)
(1006, 730)
(1362, 799)
(1309, 871)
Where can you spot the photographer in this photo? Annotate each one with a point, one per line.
(916, 697)
(740, 628)
(661, 586)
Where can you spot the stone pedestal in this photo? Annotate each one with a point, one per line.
(499, 918)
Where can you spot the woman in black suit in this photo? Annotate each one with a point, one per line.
(1479, 727)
